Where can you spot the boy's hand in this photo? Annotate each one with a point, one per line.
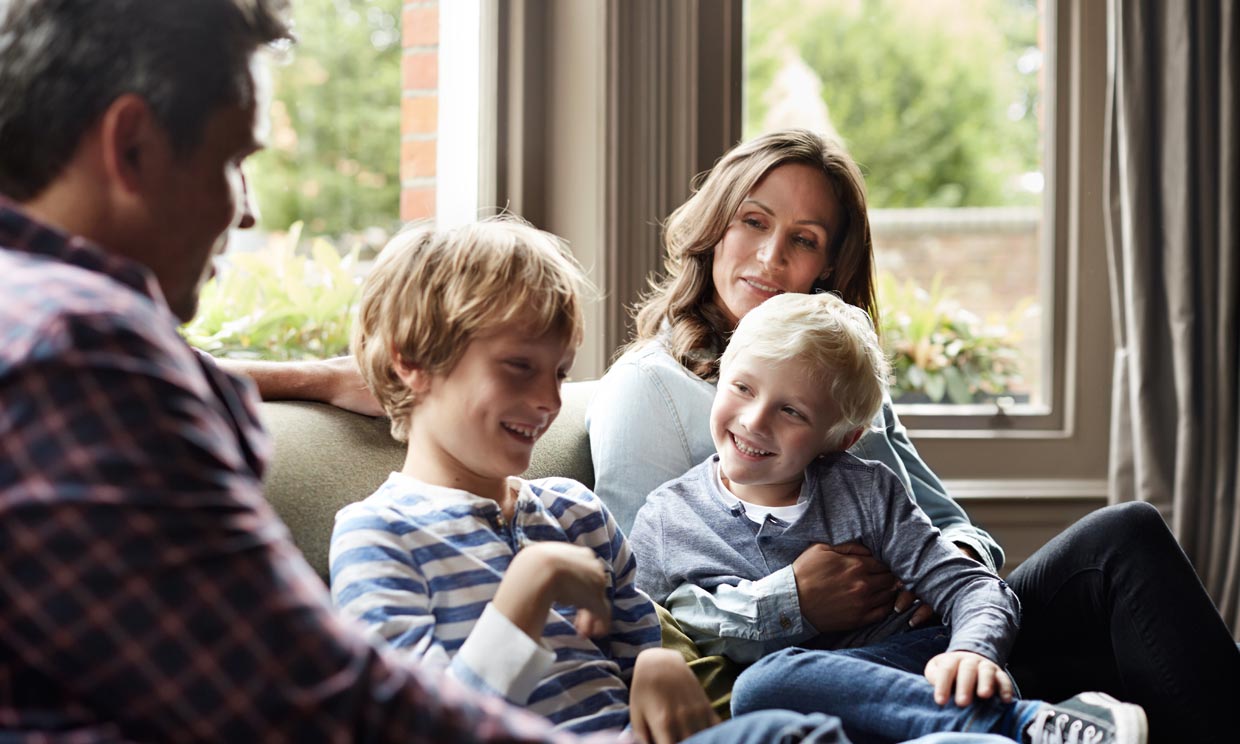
(842, 587)
(547, 572)
(968, 672)
(666, 702)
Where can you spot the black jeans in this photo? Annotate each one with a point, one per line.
(1113, 604)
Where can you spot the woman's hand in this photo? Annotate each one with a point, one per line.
(666, 702)
(967, 671)
(547, 572)
(345, 388)
(842, 587)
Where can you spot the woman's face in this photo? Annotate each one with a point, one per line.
(777, 240)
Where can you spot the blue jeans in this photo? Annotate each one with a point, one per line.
(877, 691)
(1113, 604)
(786, 727)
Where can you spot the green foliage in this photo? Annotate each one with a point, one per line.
(278, 305)
(938, 349)
(928, 95)
(333, 156)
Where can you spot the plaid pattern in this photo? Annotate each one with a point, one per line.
(148, 592)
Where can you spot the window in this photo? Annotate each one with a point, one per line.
(352, 151)
(940, 103)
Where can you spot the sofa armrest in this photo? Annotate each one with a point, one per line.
(326, 457)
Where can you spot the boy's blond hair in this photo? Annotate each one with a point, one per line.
(834, 339)
(432, 292)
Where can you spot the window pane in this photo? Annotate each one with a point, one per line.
(939, 101)
(328, 187)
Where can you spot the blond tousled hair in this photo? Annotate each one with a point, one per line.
(834, 340)
(682, 299)
(432, 292)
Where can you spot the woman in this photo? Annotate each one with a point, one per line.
(786, 212)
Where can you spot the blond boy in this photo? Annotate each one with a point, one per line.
(799, 383)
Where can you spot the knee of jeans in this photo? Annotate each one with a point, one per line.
(760, 686)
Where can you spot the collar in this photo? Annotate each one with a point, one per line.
(22, 233)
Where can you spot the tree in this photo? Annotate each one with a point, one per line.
(936, 99)
(333, 158)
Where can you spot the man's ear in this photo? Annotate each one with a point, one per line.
(416, 379)
(131, 139)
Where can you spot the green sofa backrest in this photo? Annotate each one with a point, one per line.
(326, 458)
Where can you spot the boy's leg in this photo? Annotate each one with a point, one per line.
(876, 702)
(1113, 604)
(774, 727)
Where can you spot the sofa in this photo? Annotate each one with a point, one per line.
(326, 457)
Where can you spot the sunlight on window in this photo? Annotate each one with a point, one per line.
(940, 102)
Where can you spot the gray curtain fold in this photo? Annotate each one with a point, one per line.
(1173, 239)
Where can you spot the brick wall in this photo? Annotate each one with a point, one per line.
(419, 108)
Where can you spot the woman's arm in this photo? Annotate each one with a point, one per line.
(640, 436)
(336, 381)
(890, 445)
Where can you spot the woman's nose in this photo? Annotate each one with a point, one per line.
(771, 252)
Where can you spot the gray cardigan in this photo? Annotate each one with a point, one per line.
(692, 532)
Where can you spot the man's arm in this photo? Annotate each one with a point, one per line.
(336, 381)
(147, 579)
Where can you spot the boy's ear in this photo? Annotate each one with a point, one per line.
(851, 438)
(414, 378)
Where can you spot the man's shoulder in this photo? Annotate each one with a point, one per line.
(52, 307)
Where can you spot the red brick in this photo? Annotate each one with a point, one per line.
(417, 204)
(421, 25)
(417, 159)
(420, 71)
(419, 115)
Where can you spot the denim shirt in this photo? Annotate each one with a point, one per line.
(649, 422)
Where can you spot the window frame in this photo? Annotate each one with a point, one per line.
(607, 111)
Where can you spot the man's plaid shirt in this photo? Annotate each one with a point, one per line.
(148, 592)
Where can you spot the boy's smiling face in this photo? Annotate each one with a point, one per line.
(770, 419)
(476, 424)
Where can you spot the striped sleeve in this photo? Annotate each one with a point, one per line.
(586, 521)
(385, 569)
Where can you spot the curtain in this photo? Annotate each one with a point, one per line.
(1173, 239)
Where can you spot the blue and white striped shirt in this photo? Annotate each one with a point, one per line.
(419, 565)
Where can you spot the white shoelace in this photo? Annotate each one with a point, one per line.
(1041, 731)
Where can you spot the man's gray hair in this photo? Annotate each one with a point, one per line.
(63, 62)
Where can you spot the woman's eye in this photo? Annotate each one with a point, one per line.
(740, 387)
(518, 364)
(793, 412)
(807, 242)
(752, 222)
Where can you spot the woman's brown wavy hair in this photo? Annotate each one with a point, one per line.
(683, 297)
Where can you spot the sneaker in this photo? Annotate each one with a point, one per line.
(1088, 718)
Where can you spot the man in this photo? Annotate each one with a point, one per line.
(147, 591)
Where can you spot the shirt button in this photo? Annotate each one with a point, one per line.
(784, 622)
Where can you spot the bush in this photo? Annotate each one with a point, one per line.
(940, 350)
(275, 304)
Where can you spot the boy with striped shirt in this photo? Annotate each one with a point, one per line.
(524, 589)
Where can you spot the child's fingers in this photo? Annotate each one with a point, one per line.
(942, 672)
(1006, 690)
(966, 681)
